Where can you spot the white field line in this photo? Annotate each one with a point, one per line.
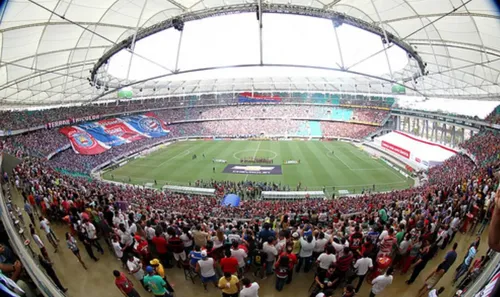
(254, 155)
(181, 154)
(336, 157)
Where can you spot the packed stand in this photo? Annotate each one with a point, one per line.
(40, 142)
(338, 129)
(72, 162)
(369, 115)
(11, 148)
(494, 116)
(276, 111)
(483, 146)
(14, 120)
(344, 238)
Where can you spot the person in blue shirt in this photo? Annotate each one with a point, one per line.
(265, 233)
(194, 256)
(449, 259)
(467, 262)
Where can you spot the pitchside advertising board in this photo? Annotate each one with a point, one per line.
(398, 150)
(97, 137)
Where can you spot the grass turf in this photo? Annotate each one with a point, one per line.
(348, 168)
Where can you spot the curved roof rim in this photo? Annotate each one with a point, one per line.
(267, 8)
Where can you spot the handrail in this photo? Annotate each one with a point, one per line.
(42, 282)
(485, 275)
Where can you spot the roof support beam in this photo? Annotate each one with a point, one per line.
(384, 44)
(132, 46)
(259, 18)
(342, 66)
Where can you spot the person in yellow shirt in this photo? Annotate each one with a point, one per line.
(230, 285)
(158, 267)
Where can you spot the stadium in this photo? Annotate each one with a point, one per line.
(250, 148)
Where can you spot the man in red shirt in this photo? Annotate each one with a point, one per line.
(355, 242)
(143, 250)
(229, 263)
(161, 248)
(387, 243)
(292, 258)
(344, 262)
(125, 285)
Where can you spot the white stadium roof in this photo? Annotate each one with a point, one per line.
(50, 48)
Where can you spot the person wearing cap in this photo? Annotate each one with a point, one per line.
(158, 267)
(205, 267)
(125, 285)
(156, 283)
(296, 243)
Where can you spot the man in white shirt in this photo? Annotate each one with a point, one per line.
(150, 231)
(240, 255)
(455, 223)
(271, 251)
(205, 267)
(362, 266)
(92, 235)
(249, 289)
(319, 247)
(126, 239)
(306, 251)
(380, 282)
(38, 241)
(134, 266)
(280, 245)
(51, 237)
(327, 258)
(118, 250)
(234, 236)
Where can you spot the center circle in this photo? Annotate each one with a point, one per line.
(235, 155)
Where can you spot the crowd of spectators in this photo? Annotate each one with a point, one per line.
(20, 119)
(494, 116)
(339, 129)
(72, 162)
(274, 111)
(449, 176)
(408, 226)
(40, 142)
(483, 146)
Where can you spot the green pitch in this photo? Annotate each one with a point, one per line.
(347, 168)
